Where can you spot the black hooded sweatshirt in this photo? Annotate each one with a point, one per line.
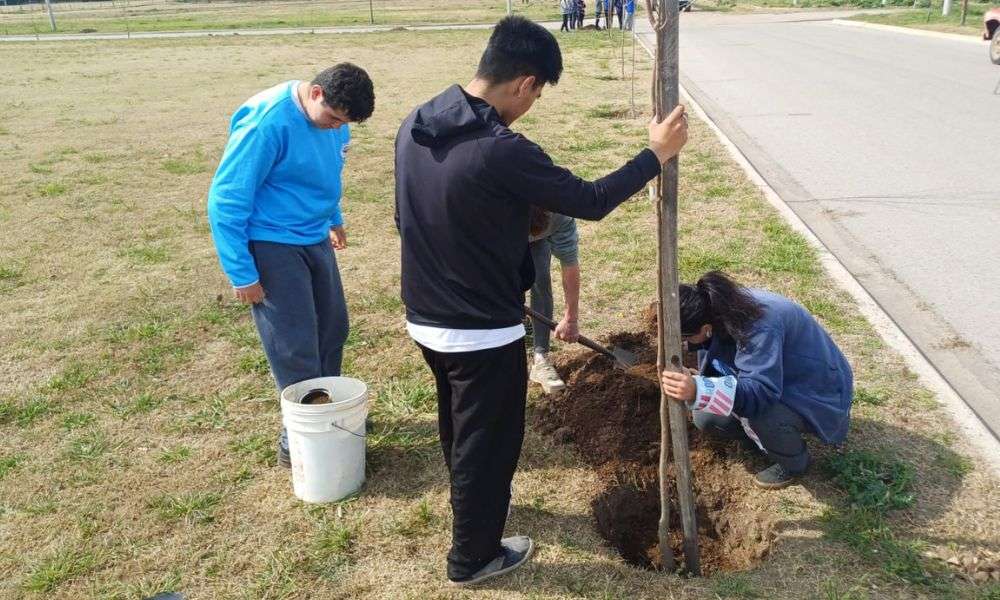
(464, 182)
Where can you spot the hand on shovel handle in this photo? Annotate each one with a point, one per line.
(621, 357)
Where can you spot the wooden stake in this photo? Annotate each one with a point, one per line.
(673, 417)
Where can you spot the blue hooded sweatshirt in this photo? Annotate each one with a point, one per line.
(788, 358)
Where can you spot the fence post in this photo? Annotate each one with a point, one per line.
(52, 17)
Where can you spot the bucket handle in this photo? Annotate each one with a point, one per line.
(360, 435)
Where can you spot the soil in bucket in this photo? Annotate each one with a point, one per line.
(316, 397)
(612, 418)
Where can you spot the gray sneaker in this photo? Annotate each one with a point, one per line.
(774, 477)
(284, 457)
(514, 552)
(544, 374)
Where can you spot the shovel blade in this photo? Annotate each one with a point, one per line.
(623, 358)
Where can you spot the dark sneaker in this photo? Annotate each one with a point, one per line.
(284, 458)
(774, 477)
(514, 552)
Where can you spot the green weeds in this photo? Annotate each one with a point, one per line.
(259, 448)
(733, 585)
(9, 463)
(74, 421)
(874, 485)
(191, 507)
(191, 165)
(174, 455)
(872, 482)
(143, 255)
(59, 568)
(52, 189)
(88, 447)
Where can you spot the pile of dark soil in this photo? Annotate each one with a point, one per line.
(611, 416)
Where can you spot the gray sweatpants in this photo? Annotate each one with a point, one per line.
(780, 430)
(302, 321)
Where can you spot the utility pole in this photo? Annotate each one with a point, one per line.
(673, 416)
(946, 8)
(371, 11)
(52, 17)
(965, 11)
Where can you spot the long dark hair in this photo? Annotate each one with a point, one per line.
(721, 302)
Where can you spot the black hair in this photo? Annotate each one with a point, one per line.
(538, 220)
(520, 47)
(347, 87)
(718, 301)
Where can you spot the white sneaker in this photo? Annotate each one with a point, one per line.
(544, 374)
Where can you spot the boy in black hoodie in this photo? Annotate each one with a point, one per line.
(464, 182)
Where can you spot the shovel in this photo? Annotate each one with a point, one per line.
(623, 358)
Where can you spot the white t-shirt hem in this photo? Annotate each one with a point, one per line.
(441, 339)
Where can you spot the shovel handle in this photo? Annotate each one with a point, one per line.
(581, 339)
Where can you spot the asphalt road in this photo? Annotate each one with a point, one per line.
(887, 145)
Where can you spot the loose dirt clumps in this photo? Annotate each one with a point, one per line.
(611, 416)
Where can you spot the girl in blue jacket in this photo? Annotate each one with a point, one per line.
(768, 372)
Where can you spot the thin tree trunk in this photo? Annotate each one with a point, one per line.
(673, 415)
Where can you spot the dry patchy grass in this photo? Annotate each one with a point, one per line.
(137, 412)
(106, 16)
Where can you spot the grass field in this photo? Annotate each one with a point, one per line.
(920, 19)
(105, 16)
(138, 417)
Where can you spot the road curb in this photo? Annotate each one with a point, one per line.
(941, 35)
(965, 420)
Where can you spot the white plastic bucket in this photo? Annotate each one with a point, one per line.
(326, 442)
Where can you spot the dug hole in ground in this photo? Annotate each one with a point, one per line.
(612, 418)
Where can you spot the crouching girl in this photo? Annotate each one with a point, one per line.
(768, 373)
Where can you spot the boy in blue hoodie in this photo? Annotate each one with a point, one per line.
(274, 209)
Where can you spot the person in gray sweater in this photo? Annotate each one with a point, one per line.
(552, 234)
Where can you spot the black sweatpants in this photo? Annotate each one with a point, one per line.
(780, 431)
(481, 398)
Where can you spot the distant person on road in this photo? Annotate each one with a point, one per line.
(581, 12)
(768, 373)
(617, 8)
(464, 186)
(629, 14)
(599, 10)
(567, 8)
(274, 209)
(552, 234)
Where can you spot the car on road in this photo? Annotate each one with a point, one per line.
(991, 31)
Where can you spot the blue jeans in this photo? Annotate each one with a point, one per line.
(780, 430)
(302, 321)
(541, 294)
